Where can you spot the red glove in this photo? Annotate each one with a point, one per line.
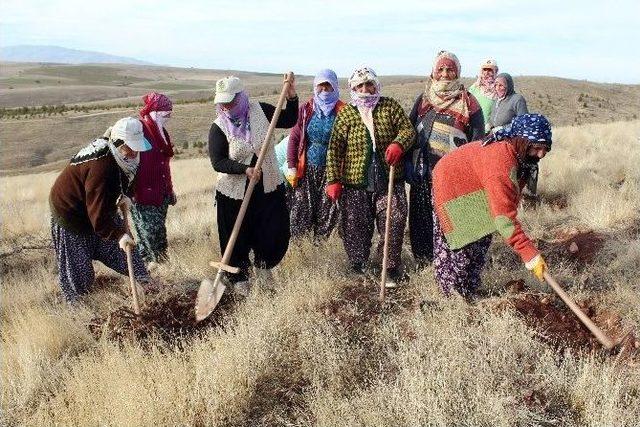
(333, 191)
(393, 155)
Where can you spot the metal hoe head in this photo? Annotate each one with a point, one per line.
(209, 295)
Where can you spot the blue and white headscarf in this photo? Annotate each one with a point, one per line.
(326, 101)
(533, 127)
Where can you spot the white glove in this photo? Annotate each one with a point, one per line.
(125, 241)
(124, 202)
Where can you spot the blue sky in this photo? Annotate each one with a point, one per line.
(591, 40)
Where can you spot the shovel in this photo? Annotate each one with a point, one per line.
(387, 225)
(595, 330)
(210, 292)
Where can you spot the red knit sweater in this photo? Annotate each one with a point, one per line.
(153, 179)
(476, 192)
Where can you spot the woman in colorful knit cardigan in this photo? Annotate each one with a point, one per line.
(476, 191)
(446, 116)
(368, 136)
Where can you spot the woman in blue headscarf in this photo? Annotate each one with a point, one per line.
(312, 212)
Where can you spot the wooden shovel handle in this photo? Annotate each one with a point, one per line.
(132, 278)
(595, 330)
(387, 225)
(132, 281)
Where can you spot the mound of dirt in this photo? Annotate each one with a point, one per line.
(559, 327)
(579, 246)
(169, 317)
(357, 305)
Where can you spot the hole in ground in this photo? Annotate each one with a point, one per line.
(168, 316)
(559, 327)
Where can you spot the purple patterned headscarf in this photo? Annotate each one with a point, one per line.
(363, 75)
(326, 101)
(236, 120)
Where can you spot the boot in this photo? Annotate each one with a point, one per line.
(356, 268)
(395, 276)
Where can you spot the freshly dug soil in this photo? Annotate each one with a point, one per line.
(357, 305)
(559, 327)
(579, 246)
(169, 317)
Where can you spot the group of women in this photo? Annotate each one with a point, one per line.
(336, 170)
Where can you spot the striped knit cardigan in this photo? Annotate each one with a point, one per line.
(350, 148)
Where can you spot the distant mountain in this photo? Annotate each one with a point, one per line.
(62, 55)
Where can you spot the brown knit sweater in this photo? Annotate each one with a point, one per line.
(83, 198)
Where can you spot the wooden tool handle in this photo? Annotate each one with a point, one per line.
(132, 280)
(387, 225)
(595, 330)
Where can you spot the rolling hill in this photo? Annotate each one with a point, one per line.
(89, 98)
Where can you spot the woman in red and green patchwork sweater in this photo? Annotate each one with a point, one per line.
(476, 191)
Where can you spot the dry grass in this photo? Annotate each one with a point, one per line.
(320, 351)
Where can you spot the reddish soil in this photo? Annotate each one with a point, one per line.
(358, 305)
(581, 247)
(169, 317)
(559, 327)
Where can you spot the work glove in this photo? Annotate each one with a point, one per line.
(173, 199)
(333, 191)
(124, 203)
(292, 177)
(125, 241)
(538, 267)
(393, 155)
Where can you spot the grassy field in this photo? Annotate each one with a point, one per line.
(321, 350)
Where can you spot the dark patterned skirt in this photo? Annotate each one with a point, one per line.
(421, 221)
(458, 269)
(74, 256)
(360, 210)
(150, 224)
(311, 210)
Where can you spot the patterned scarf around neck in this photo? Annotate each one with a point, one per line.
(236, 120)
(448, 97)
(101, 147)
(365, 100)
(486, 86)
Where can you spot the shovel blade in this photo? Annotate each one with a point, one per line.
(209, 295)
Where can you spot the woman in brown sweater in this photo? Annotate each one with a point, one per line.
(84, 203)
